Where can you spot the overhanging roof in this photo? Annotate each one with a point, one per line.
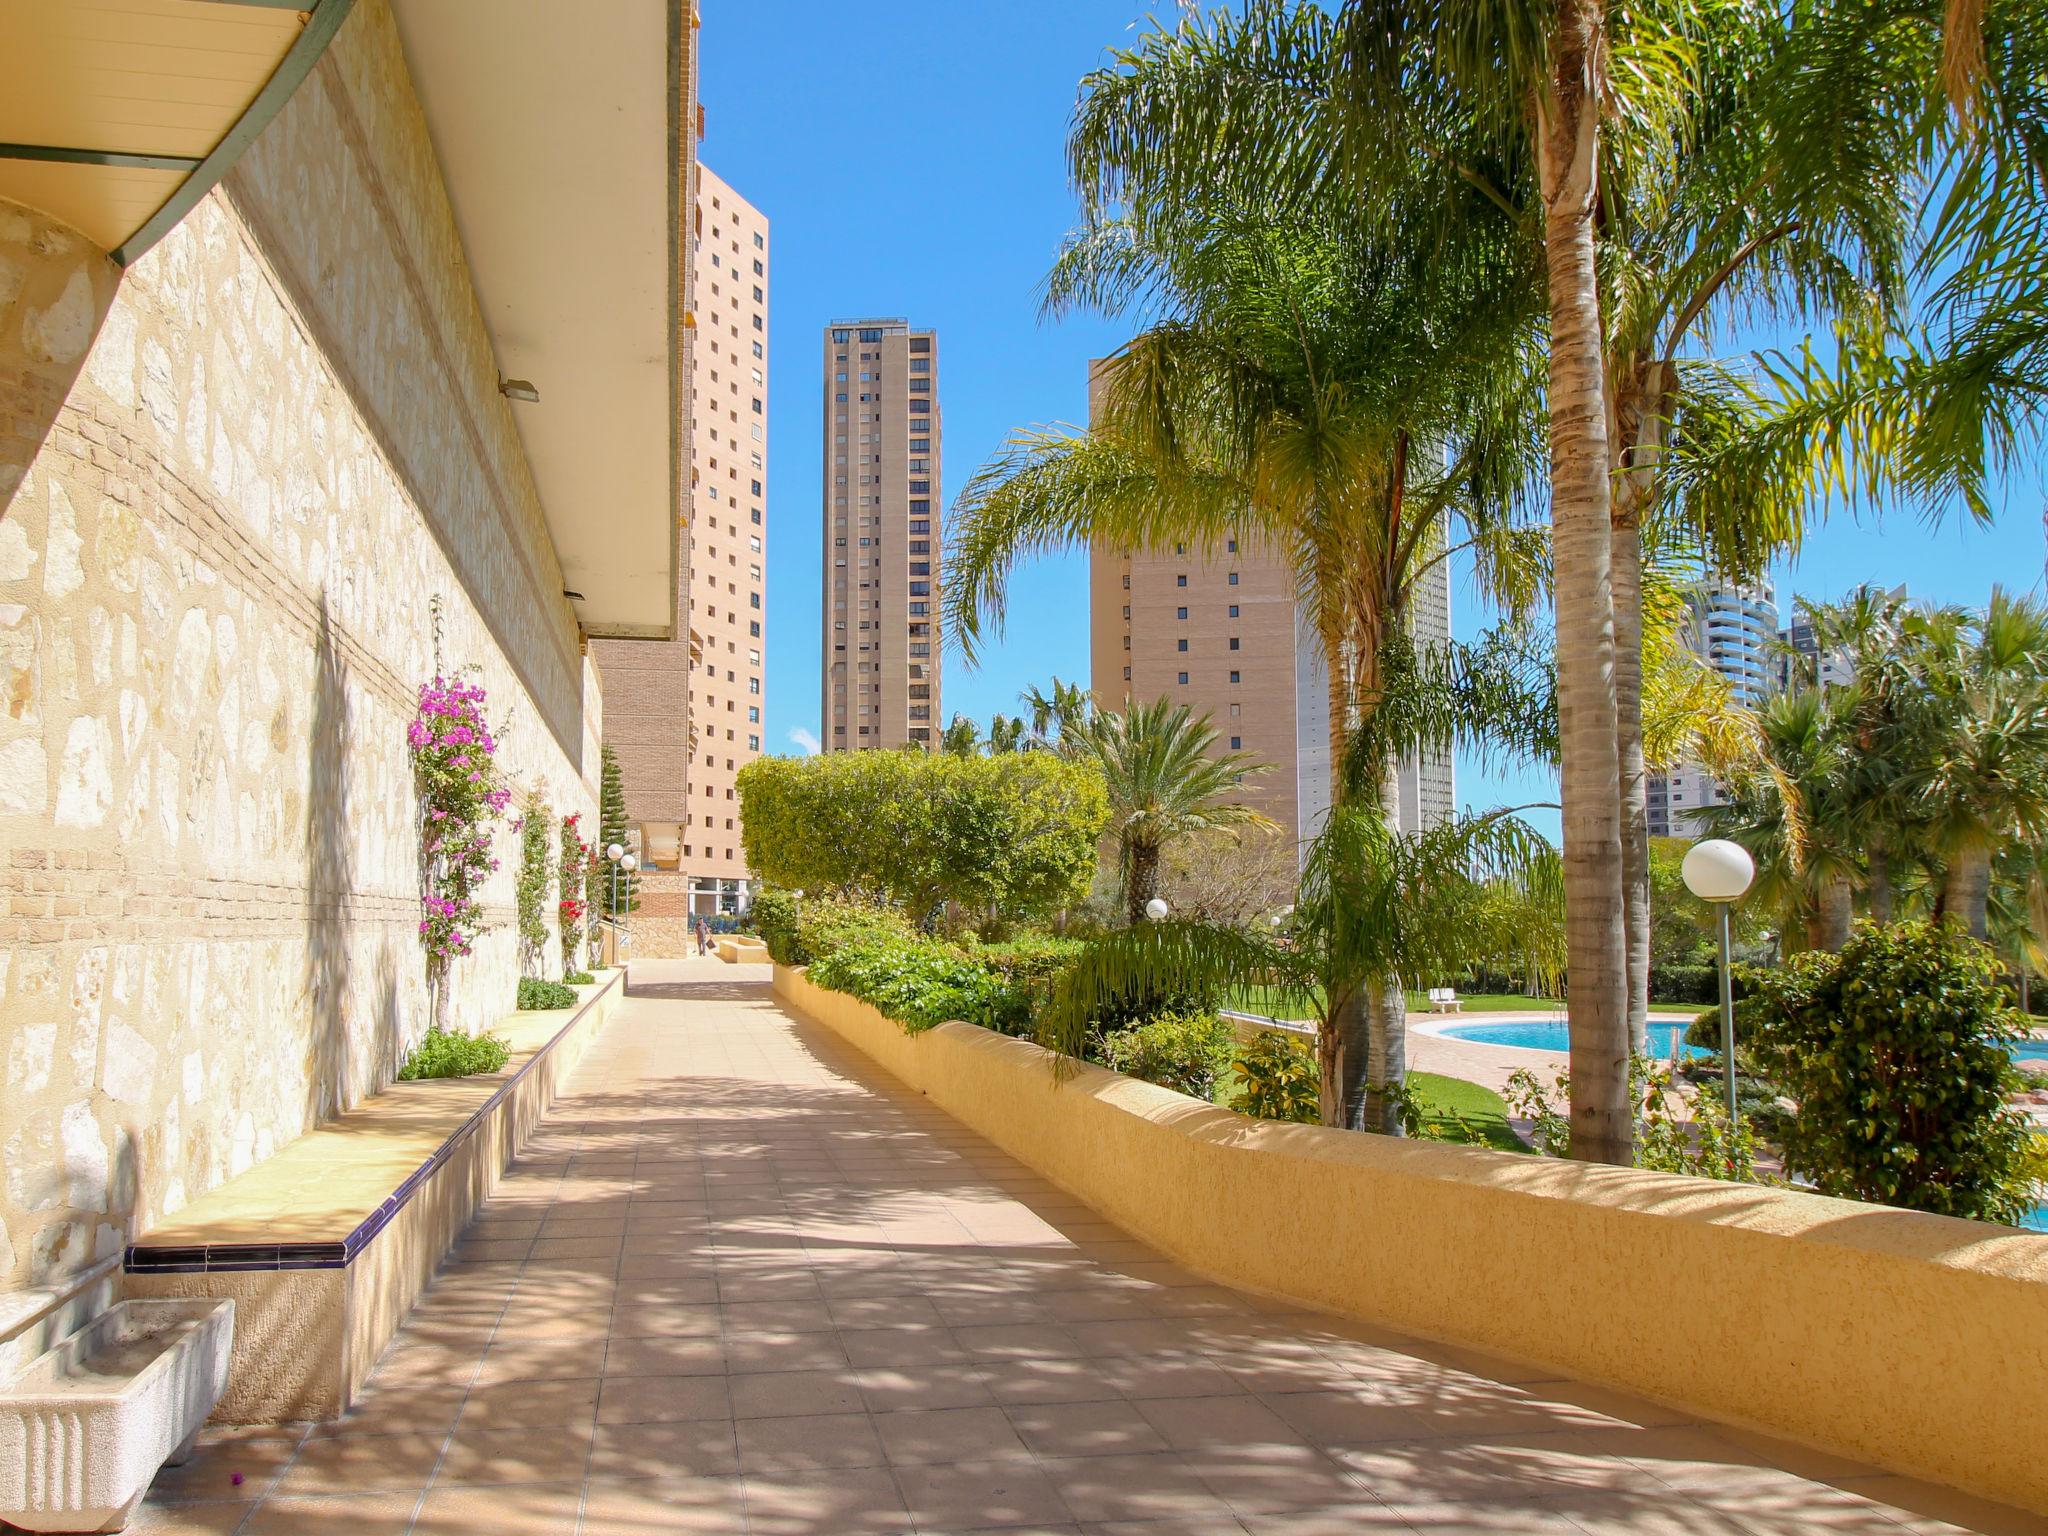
(561, 135)
(117, 116)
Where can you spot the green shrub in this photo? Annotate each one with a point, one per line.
(914, 981)
(1027, 967)
(774, 914)
(578, 979)
(535, 993)
(440, 1054)
(1892, 1051)
(1186, 1052)
(1278, 1079)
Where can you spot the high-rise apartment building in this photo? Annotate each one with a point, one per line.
(684, 716)
(1733, 627)
(881, 500)
(1221, 630)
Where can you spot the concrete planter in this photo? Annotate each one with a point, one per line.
(86, 1427)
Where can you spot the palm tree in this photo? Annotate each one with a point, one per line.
(1376, 905)
(1320, 391)
(1165, 780)
(1985, 785)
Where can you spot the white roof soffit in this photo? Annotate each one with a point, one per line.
(559, 128)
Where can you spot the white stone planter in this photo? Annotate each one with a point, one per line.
(84, 1429)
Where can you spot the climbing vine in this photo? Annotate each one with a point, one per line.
(574, 906)
(458, 794)
(530, 895)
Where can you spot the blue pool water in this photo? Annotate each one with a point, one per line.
(1551, 1035)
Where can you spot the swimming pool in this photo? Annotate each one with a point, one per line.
(1551, 1035)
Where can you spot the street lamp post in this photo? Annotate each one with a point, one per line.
(1719, 871)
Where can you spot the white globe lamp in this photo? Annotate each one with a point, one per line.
(1156, 909)
(614, 853)
(1719, 871)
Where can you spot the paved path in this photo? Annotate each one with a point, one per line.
(743, 1283)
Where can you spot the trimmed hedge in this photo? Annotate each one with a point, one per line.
(916, 983)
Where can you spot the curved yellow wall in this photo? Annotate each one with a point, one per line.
(1913, 1341)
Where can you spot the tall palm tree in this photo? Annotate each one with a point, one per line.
(1165, 780)
(1323, 392)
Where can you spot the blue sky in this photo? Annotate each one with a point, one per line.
(947, 206)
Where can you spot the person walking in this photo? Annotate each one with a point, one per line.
(703, 937)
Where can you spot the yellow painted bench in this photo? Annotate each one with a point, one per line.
(325, 1246)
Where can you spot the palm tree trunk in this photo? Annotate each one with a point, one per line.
(1966, 891)
(1635, 779)
(1837, 914)
(1879, 886)
(1581, 544)
(1141, 880)
(1379, 1107)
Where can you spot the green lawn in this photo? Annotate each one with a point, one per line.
(1276, 1005)
(1483, 1110)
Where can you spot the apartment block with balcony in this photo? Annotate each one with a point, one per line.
(880, 505)
(1733, 626)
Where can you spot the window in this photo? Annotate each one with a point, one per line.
(1236, 743)
(1180, 645)
(1233, 610)
(870, 335)
(1183, 677)
(920, 589)
(920, 546)
(762, 245)
(1233, 642)
(757, 405)
(921, 485)
(842, 337)
(754, 685)
(1180, 549)
(840, 378)
(1233, 578)
(920, 525)
(753, 714)
(920, 343)
(921, 610)
(919, 404)
(754, 487)
(1180, 581)
(1180, 613)
(1233, 546)
(920, 567)
(753, 743)
(758, 268)
(920, 445)
(1233, 677)
(753, 629)
(757, 292)
(920, 509)
(757, 350)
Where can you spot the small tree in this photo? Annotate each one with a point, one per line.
(594, 876)
(613, 825)
(574, 906)
(1893, 1050)
(530, 896)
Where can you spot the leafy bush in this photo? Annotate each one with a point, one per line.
(774, 915)
(913, 981)
(441, 1054)
(1026, 967)
(1278, 1079)
(535, 993)
(578, 979)
(1186, 1052)
(1892, 1051)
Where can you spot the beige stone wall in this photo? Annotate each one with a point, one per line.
(55, 286)
(214, 590)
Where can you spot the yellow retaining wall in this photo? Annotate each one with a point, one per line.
(1916, 1342)
(307, 1339)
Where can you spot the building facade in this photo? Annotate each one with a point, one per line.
(882, 536)
(688, 712)
(1733, 627)
(272, 459)
(1222, 631)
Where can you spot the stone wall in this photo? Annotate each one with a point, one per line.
(215, 581)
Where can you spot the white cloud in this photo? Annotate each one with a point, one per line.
(806, 741)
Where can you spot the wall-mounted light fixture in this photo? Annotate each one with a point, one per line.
(518, 389)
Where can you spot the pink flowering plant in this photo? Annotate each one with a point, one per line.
(576, 860)
(459, 793)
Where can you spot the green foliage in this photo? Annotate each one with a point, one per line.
(1186, 1052)
(824, 927)
(1277, 1079)
(530, 894)
(538, 994)
(915, 982)
(1672, 1134)
(1028, 967)
(442, 1054)
(1011, 835)
(774, 915)
(1892, 1051)
(577, 979)
(614, 827)
(574, 906)
(1452, 1109)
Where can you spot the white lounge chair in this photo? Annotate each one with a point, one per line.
(1445, 1000)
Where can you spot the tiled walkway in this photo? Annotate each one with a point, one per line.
(743, 1283)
